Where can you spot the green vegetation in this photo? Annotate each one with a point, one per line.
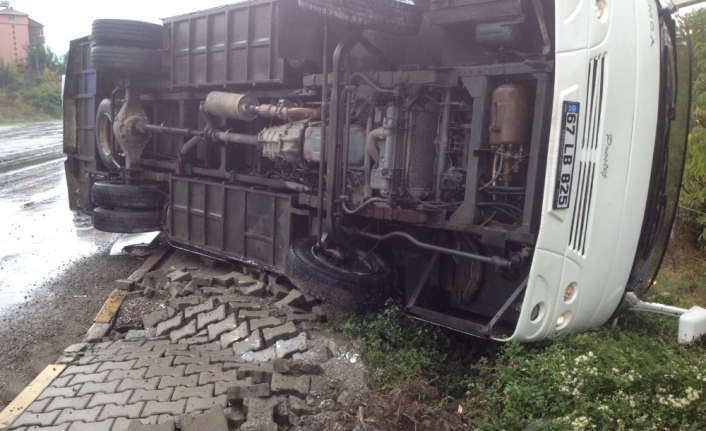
(632, 375)
(694, 188)
(31, 90)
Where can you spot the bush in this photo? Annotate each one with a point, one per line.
(603, 379)
(46, 98)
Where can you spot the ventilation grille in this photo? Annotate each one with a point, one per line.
(588, 156)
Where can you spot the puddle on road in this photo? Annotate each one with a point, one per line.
(40, 236)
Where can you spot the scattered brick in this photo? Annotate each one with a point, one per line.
(297, 344)
(272, 335)
(179, 276)
(237, 394)
(187, 331)
(204, 319)
(183, 304)
(293, 299)
(256, 289)
(216, 329)
(197, 404)
(278, 291)
(239, 333)
(290, 385)
(266, 355)
(253, 343)
(252, 314)
(268, 322)
(260, 414)
(169, 325)
(215, 420)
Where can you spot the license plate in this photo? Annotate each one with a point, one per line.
(567, 155)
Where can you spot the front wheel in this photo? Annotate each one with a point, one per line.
(363, 283)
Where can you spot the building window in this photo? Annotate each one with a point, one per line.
(11, 17)
(41, 32)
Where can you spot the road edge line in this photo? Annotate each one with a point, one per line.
(28, 395)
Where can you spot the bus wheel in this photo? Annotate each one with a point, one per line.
(118, 194)
(362, 283)
(122, 220)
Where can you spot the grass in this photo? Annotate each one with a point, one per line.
(631, 376)
(18, 112)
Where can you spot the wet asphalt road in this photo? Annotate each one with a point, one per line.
(39, 235)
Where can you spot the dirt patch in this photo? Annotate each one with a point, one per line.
(56, 315)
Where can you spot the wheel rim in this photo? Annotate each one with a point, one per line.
(104, 133)
(362, 264)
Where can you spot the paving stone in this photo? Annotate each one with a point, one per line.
(151, 395)
(290, 385)
(252, 314)
(260, 414)
(139, 426)
(139, 334)
(268, 322)
(75, 349)
(272, 335)
(66, 360)
(40, 419)
(151, 362)
(157, 408)
(175, 290)
(61, 382)
(209, 347)
(124, 365)
(186, 360)
(222, 387)
(38, 406)
(92, 426)
(127, 374)
(62, 427)
(301, 318)
(179, 275)
(286, 348)
(238, 334)
(67, 392)
(317, 354)
(288, 366)
(267, 355)
(93, 388)
(130, 411)
(177, 371)
(243, 280)
(209, 292)
(204, 319)
(151, 320)
(196, 404)
(183, 304)
(72, 415)
(293, 299)
(226, 358)
(105, 399)
(128, 344)
(84, 360)
(61, 403)
(201, 308)
(237, 394)
(224, 299)
(197, 368)
(169, 325)
(198, 392)
(170, 382)
(187, 331)
(147, 354)
(223, 280)
(203, 280)
(258, 289)
(138, 384)
(253, 343)
(235, 307)
(216, 329)
(194, 340)
(83, 378)
(215, 420)
(80, 369)
(159, 344)
(257, 372)
(225, 376)
(277, 290)
(105, 358)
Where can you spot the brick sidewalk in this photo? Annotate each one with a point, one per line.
(227, 351)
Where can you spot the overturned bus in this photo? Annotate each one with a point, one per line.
(509, 168)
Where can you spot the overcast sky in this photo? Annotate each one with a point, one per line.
(71, 19)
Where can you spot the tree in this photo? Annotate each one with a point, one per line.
(13, 81)
(40, 57)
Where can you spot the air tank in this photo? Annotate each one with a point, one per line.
(509, 116)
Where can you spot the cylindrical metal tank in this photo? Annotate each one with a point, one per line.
(509, 116)
(231, 105)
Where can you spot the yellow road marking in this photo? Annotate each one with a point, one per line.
(111, 307)
(28, 395)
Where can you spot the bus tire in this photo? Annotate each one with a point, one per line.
(121, 32)
(361, 292)
(127, 220)
(118, 194)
